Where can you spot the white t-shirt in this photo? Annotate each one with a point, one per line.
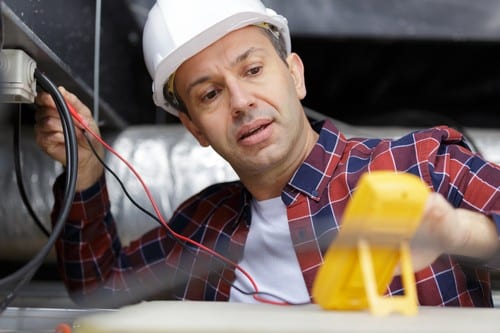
(269, 257)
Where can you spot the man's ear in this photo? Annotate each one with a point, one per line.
(296, 68)
(193, 129)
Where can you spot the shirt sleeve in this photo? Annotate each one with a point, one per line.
(94, 266)
(465, 178)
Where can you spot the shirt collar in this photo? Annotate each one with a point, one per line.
(313, 175)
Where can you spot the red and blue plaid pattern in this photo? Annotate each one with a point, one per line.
(97, 268)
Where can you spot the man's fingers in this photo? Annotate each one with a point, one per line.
(75, 102)
(77, 105)
(43, 113)
(47, 121)
(44, 99)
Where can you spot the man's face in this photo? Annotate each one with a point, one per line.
(244, 101)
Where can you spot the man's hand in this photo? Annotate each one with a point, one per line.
(50, 137)
(448, 230)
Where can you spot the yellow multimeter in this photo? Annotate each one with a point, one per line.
(377, 225)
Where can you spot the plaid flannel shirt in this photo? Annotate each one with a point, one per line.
(97, 269)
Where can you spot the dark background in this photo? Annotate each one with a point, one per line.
(368, 62)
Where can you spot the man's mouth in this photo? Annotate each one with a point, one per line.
(253, 129)
(252, 132)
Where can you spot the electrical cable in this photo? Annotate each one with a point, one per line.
(123, 187)
(162, 221)
(283, 300)
(19, 177)
(152, 216)
(153, 202)
(25, 273)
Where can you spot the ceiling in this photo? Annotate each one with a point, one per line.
(388, 62)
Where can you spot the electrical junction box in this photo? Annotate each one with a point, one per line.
(17, 83)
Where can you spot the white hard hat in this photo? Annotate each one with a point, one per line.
(178, 29)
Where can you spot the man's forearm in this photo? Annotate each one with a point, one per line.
(445, 229)
(480, 237)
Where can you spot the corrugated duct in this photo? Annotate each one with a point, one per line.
(168, 158)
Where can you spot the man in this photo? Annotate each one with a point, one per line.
(234, 83)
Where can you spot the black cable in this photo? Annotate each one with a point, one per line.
(180, 242)
(25, 273)
(263, 293)
(19, 177)
(124, 189)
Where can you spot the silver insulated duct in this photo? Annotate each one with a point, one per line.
(167, 157)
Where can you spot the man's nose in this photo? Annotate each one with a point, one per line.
(241, 97)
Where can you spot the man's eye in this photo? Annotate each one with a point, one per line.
(254, 70)
(210, 95)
